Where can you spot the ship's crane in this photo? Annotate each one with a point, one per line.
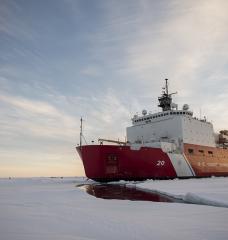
(101, 140)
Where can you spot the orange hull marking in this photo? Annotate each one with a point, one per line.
(207, 161)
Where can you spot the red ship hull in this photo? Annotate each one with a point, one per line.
(113, 162)
(108, 162)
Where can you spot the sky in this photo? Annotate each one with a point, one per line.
(103, 60)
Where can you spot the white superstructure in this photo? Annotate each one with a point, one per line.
(173, 126)
(170, 126)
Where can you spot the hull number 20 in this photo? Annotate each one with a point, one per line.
(160, 163)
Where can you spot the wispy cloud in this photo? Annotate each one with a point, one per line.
(37, 118)
(107, 117)
(186, 40)
(36, 107)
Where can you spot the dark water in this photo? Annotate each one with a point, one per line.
(121, 192)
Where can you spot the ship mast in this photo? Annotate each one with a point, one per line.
(80, 133)
(165, 101)
(166, 86)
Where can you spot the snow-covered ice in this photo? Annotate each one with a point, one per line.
(211, 191)
(45, 208)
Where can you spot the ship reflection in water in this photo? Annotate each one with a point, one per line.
(121, 192)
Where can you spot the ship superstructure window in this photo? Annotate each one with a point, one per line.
(190, 150)
(210, 152)
(146, 118)
(201, 151)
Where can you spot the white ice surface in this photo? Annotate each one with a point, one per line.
(54, 209)
(211, 191)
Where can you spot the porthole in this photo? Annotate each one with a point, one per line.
(190, 150)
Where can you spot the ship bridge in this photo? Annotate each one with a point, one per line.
(138, 120)
(171, 125)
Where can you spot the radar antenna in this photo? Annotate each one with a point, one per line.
(165, 101)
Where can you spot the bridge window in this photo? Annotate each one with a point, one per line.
(201, 151)
(210, 152)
